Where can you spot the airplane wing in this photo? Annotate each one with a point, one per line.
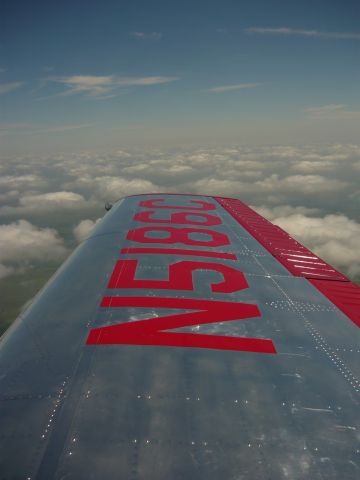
(186, 338)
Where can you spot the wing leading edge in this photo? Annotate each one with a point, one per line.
(188, 337)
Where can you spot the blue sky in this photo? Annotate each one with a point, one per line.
(91, 74)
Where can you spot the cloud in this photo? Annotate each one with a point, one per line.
(14, 182)
(109, 188)
(231, 88)
(84, 228)
(46, 202)
(308, 166)
(335, 238)
(9, 196)
(305, 184)
(272, 188)
(160, 172)
(95, 86)
(323, 177)
(332, 111)
(22, 244)
(216, 186)
(288, 31)
(53, 200)
(273, 175)
(147, 35)
(9, 87)
(283, 211)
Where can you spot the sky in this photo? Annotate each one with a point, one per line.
(255, 100)
(88, 74)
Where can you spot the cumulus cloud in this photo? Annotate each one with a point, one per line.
(306, 184)
(53, 200)
(335, 238)
(108, 188)
(22, 244)
(257, 172)
(288, 31)
(283, 211)
(84, 228)
(214, 186)
(162, 172)
(46, 202)
(311, 166)
(273, 188)
(323, 179)
(13, 182)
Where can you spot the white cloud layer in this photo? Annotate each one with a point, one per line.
(66, 188)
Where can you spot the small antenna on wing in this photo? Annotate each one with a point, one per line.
(108, 206)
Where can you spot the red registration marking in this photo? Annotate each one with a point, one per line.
(178, 251)
(180, 218)
(152, 203)
(178, 235)
(180, 277)
(151, 331)
(154, 331)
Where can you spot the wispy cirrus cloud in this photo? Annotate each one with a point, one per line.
(100, 86)
(9, 87)
(147, 35)
(332, 111)
(231, 88)
(287, 31)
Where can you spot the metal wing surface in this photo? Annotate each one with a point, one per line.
(187, 338)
